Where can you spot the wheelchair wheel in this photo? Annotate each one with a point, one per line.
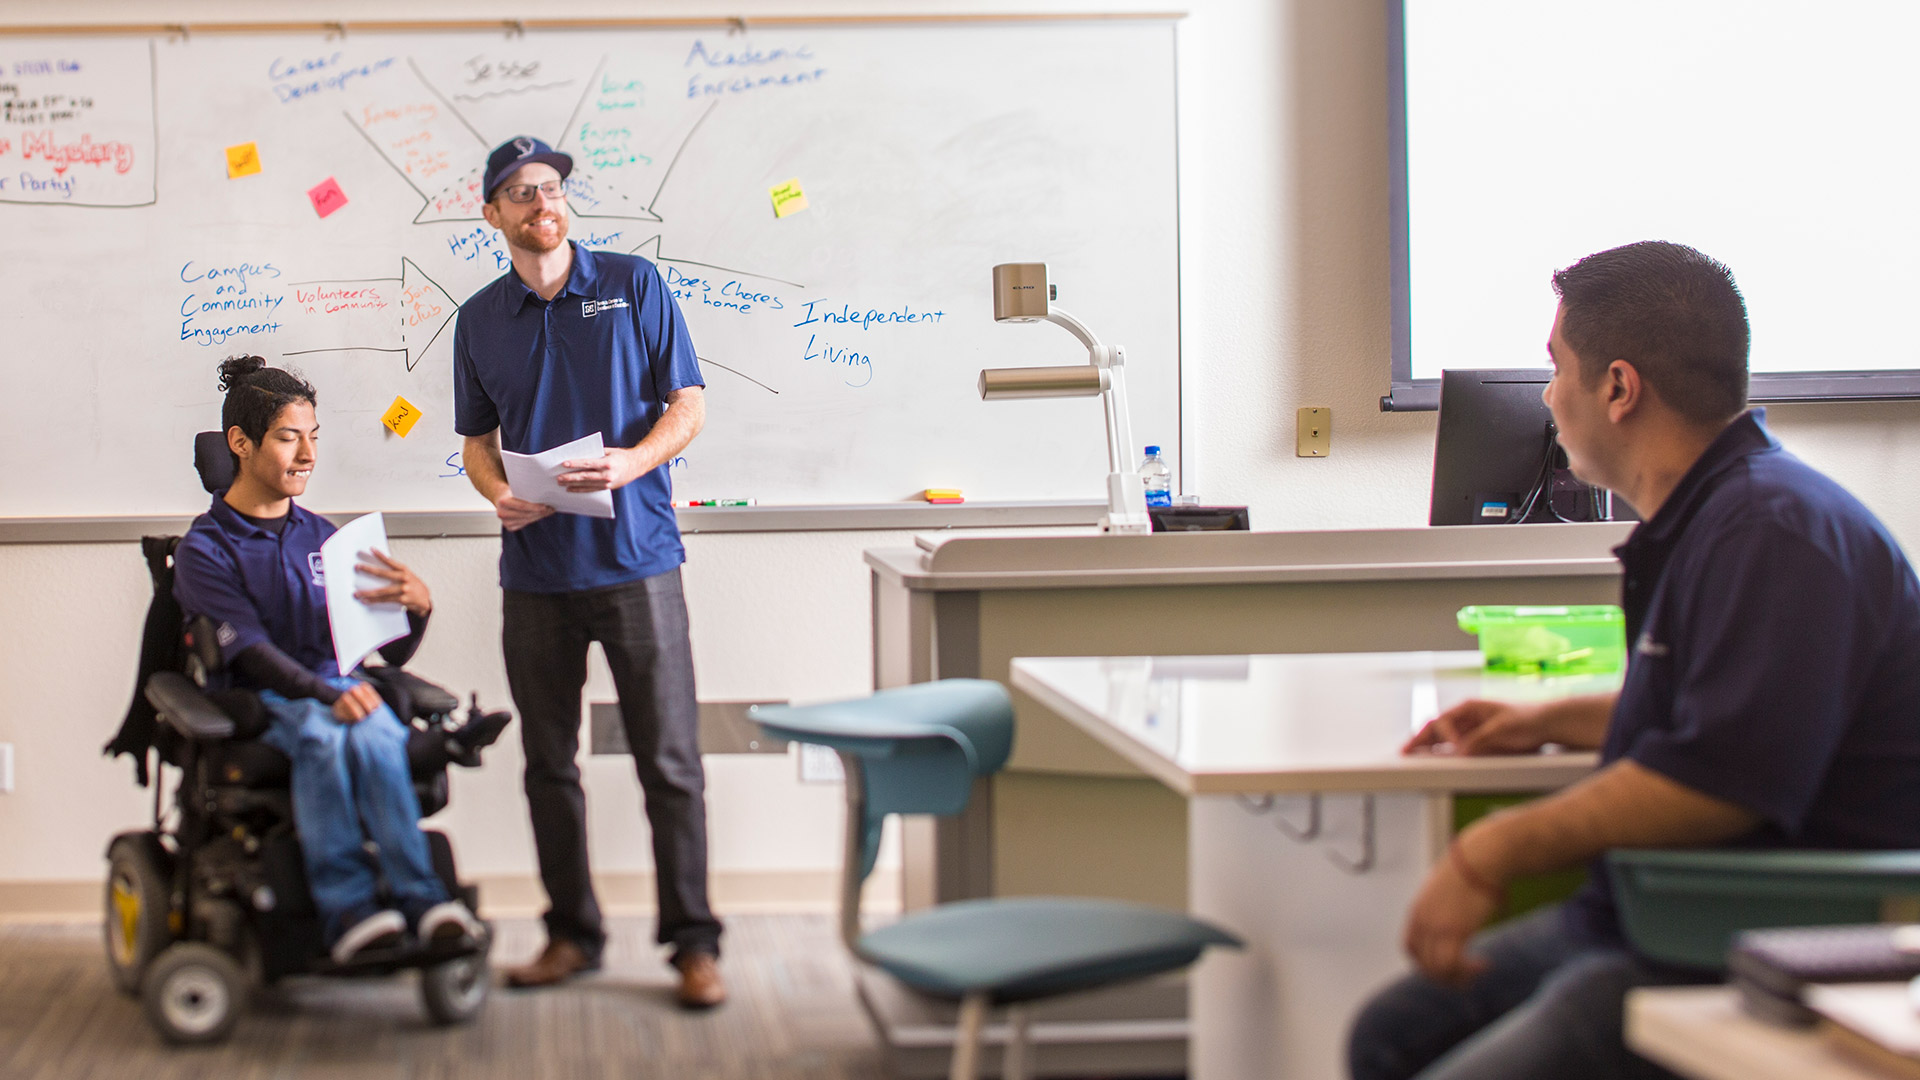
(137, 908)
(453, 992)
(193, 993)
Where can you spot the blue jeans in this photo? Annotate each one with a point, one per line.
(345, 775)
(1547, 1008)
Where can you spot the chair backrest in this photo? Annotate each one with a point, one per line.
(908, 750)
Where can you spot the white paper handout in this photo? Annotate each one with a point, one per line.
(358, 627)
(534, 477)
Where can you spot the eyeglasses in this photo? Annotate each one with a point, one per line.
(523, 193)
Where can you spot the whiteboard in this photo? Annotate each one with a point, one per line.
(163, 202)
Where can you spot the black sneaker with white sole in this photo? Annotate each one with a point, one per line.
(381, 930)
(449, 923)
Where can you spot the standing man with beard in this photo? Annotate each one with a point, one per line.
(567, 343)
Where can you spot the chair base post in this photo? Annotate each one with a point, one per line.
(1015, 1065)
(966, 1039)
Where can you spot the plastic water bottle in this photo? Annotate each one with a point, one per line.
(1158, 478)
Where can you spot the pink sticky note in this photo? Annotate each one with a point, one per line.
(327, 196)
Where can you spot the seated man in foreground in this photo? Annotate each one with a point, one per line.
(251, 564)
(1772, 693)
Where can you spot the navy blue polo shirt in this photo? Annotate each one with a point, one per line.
(601, 356)
(1775, 657)
(258, 586)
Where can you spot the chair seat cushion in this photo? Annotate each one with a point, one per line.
(1021, 949)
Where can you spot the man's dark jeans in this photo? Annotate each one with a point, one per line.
(1546, 1008)
(642, 628)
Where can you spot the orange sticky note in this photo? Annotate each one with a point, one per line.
(787, 198)
(326, 196)
(401, 416)
(242, 160)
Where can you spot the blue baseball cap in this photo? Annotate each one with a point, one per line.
(515, 152)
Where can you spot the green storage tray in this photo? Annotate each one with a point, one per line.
(1574, 639)
(1684, 907)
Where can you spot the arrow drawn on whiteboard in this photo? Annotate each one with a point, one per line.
(676, 155)
(738, 372)
(425, 139)
(412, 304)
(651, 250)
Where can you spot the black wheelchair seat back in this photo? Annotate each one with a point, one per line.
(163, 648)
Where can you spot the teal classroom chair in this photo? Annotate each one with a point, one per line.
(1684, 906)
(916, 750)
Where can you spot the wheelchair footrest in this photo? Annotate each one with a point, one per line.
(411, 954)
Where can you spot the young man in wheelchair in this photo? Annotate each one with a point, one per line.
(251, 565)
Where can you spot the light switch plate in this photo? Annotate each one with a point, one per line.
(1313, 437)
(6, 768)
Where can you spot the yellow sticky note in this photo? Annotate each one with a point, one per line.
(787, 198)
(242, 160)
(401, 416)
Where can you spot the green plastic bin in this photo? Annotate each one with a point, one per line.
(1577, 639)
(1685, 906)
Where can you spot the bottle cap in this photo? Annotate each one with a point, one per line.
(1153, 449)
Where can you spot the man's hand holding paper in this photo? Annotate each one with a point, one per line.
(359, 627)
(537, 478)
(613, 470)
(402, 587)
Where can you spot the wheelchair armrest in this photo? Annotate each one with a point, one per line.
(182, 705)
(410, 694)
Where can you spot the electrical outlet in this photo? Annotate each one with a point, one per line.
(1313, 435)
(6, 768)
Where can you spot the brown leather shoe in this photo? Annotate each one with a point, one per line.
(560, 961)
(700, 984)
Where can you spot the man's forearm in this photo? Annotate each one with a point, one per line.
(480, 457)
(1581, 723)
(683, 419)
(1623, 805)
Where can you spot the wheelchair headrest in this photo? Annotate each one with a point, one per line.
(213, 461)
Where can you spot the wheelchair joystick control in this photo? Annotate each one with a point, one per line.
(465, 742)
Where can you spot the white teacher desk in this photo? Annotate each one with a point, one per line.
(1308, 831)
(964, 604)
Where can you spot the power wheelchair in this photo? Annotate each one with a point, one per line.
(213, 899)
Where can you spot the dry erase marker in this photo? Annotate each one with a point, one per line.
(690, 503)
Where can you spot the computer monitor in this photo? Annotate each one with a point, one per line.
(1495, 459)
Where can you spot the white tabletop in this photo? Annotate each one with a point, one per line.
(1701, 1033)
(1297, 723)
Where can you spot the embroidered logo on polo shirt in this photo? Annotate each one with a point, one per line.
(590, 308)
(226, 635)
(319, 570)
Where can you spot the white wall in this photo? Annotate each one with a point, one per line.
(1284, 304)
